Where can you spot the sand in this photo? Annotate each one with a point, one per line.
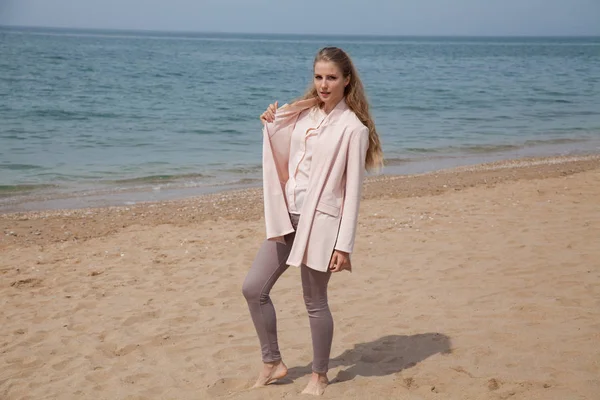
(473, 283)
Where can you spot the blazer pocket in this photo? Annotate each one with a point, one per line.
(328, 209)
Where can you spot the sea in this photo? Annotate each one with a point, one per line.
(100, 118)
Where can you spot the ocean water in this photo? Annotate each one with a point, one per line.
(111, 117)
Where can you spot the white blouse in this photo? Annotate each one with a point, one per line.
(301, 152)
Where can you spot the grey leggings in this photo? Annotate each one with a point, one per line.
(268, 266)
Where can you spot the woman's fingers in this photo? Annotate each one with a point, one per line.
(269, 114)
(267, 117)
(339, 262)
(333, 262)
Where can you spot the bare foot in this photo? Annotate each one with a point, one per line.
(270, 373)
(317, 384)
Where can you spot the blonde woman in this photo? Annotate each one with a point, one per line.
(315, 152)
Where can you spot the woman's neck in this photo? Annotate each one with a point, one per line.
(328, 107)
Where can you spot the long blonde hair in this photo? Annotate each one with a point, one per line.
(356, 99)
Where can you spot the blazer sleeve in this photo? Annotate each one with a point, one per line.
(355, 172)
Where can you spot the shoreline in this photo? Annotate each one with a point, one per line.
(75, 224)
(54, 197)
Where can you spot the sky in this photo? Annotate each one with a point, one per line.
(361, 17)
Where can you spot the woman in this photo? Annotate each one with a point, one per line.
(315, 152)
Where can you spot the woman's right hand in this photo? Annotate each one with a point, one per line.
(269, 114)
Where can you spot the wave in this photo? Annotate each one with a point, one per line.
(492, 148)
(240, 182)
(154, 179)
(13, 190)
(420, 150)
(167, 74)
(418, 108)
(64, 115)
(555, 141)
(536, 100)
(397, 161)
(56, 58)
(198, 131)
(249, 169)
(20, 167)
(477, 148)
(230, 131)
(211, 132)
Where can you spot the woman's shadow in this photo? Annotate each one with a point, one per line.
(385, 356)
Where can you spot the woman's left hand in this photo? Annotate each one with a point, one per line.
(340, 261)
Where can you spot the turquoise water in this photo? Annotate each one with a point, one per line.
(151, 115)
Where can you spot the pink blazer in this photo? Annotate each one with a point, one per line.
(330, 210)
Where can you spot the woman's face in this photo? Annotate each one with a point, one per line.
(329, 83)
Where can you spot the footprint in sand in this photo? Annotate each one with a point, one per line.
(182, 320)
(111, 350)
(27, 283)
(123, 351)
(493, 384)
(142, 318)
(61, 365)
(226, 386)
(36, 337)
(410, 383)
(205, 302)
(233, 352)
(85, 305)
(136, 378)
(25, 363)
(99, 375)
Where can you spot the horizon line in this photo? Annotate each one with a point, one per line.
(133, 30)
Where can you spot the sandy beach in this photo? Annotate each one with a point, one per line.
(473, 283)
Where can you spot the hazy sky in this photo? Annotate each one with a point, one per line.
(387, 17)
